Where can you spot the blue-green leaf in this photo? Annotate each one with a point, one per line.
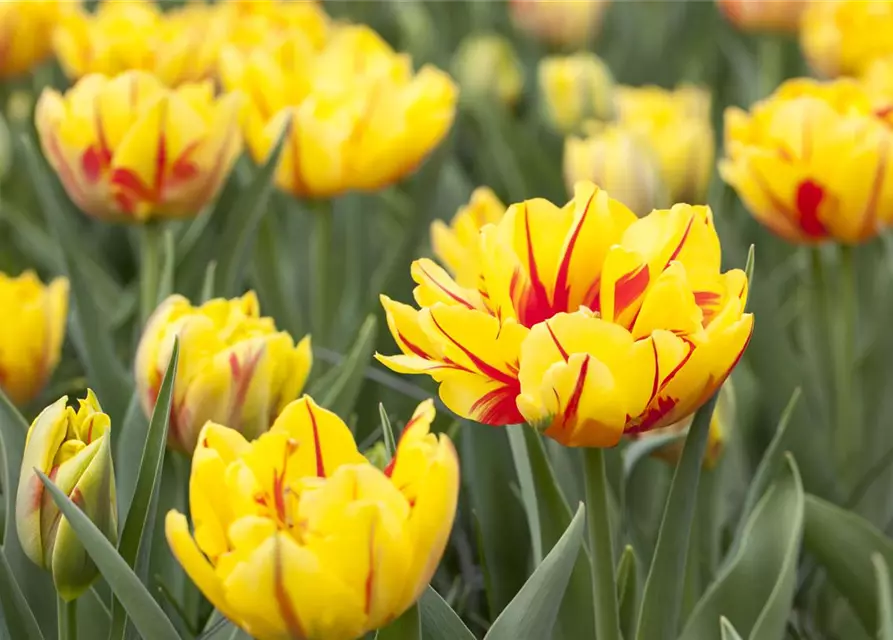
(17, 615)
(439, 621)
(526, 486)
(728, 632)
(627, 594)
(387, 431)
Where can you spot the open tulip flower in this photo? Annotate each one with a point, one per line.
(128, 148)
(585, 321)
(32, 328)
(297, 535)
(234, 367)
(811, 162)
(846, 36)
(362, 119)
(26, 29)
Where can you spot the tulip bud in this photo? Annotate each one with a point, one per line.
(487, 67)
(575, 89)
(562, 23)
(762, 15)
(73, 449)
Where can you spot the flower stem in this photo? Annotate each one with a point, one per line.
(151, 238)
(601, 548)
(770, 58)
(321, 248)
(67, 619)
(848, 432)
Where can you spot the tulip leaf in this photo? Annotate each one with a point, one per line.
(136, 536)
(241, 229)
(844, 543)
(208, 282)
(749, 265)
(727, 631)
(640, 450)
(755, 590)
(627, 597)
(390, 444)
(439, 621)
(525, 483)
(340, 394)
(662, 597)
(128, 442)
(144, 611)
(17, 614)
(884, 597)
(534, 611)
(406, 627)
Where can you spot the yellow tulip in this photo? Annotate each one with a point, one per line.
(586, 322)
(619, 161)
(844, 37)
(361, 119)
(298, 536)
(234, 367)
(563, 23)
(73, 448)
(177, 46)
(811, 162)
(26, 29)
(32, 328)
(252, 23)
(878, 81)
(487, 66)
(676, 126)
(759, 15)
(574, 89)
(127, 148)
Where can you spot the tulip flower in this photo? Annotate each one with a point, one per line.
(26, 29)
(846, 36)
(298, 536)
(362, 119)
(878, 81)
(73, 448)
(32, 328)
(487, 66)
(764, 16)
(562, 23)
(249, 24)
(676, 126)
(575, 89)
(586, 322)
(811, 162)
(234, 367)
(127, 148)
(619, 161)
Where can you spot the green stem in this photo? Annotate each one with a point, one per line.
(151, 238)
(601, 548)
(770, 59)
(848, 435)
(67, 619)
(321, 248)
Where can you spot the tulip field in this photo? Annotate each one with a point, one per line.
(446, 320)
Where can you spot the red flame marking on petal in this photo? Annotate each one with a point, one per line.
(809, 198)
(286, 608)
(320, 467)
(562, 290)
(558, 345)
(573, 403)
(370, 575)
(449, 293)
(484, 368)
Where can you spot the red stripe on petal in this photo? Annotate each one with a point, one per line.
(809, 198)
(573, 403)
(560, 348)
(497, 408)
(454, 296)
(320, 467)
(283, 602)
(370, 575)
(92, 164)
(534, 304)
(562, 289)
(487, 369)
(629, 287)
(681, 244)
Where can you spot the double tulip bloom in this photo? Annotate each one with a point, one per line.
(72, 448)
(26, 29)
(584, 321)
(297, 535)
(129, 148)
(811, 162)
(235, 368)
(32, 328)
(846, 36)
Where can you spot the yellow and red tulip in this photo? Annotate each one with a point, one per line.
(586, 322)
(844, 37)
(128, 148)
(574, 89)
(764, 16)
(811, 162)
(297, 535)
(235, 368)
(73, 448)
(32, 328)
(26, 30)
(561, 23)
(254, 23)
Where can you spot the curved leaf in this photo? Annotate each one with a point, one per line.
(406, 627)
(439, 621)
(627, 596)
(339, 388)
(884, 597)
(525, 484)
(728, 631)
(17, 615)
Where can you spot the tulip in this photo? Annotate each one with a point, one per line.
(127, 148)
(846, 36)
(249, 24)
(32, 328)
(575, 89)
(234, 367)
(487, 66)
(586, 322)
(878, 81)
(562, 23)
(764, 16)
(676, 126)
(619, 161)
(73, 448)
(361, 119)
(298, 536)
(811, 162)
(26, 29)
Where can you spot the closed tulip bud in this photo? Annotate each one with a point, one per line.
(32, 328)
(618, 161)
(811, 162)
(575, 89)
(128, 148)
(487, 67)
(764, 15)
(676, 126)
(361, 119)
(235, 368)
(296, 535)
(561, 23)
(73, 448)
(26, 29)
(586, 322)
(845, 37)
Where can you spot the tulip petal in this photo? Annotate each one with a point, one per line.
(435, 285)
(625, 278)
(669, 304)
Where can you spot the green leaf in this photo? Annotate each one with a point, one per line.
(140, 523)
(17, 615)
(406, 627)
(166, 282)
(127, 447)
(341, 394)
(525, 484)
(627, 579)
(387, 431)
(843, 543)
(727, 630)
(755, 590)
(208, 282)
(748, 267)
(144, 611)
(662, 597)
(439, 621)
(241, 230)
(884, 597)
(534, 611)
(640, 450)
